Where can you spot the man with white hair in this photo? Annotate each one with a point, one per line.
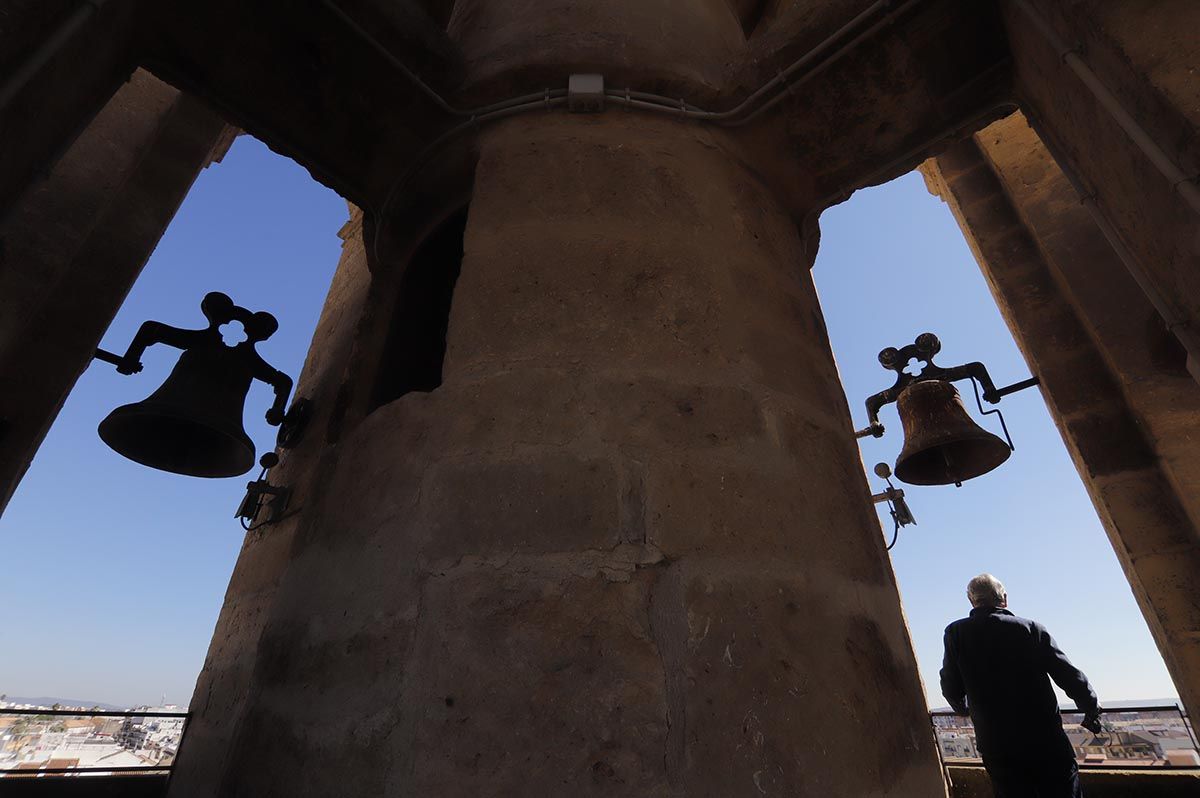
(998, 668)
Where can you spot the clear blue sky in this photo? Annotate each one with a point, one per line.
(116, 572)
(893, 264)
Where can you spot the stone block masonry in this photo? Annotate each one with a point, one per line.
(626, 547)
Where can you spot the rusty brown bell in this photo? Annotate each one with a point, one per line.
(942, 444)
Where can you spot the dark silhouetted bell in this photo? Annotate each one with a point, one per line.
(192, 424)
(942, 445)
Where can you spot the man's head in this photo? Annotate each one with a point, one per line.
(986, 590)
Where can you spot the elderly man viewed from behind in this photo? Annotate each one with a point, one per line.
(998, 668)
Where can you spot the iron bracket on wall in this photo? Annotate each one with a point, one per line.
(897, 506)
(262, 495)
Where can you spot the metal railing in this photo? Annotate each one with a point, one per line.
(1145, 728)
(9, 739)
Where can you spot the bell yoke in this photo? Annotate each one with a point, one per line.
(192, 424)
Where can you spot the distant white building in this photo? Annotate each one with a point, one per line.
(159, 737)
(956, 745)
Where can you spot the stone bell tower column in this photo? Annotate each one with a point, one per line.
(626, 547)
(656, 546)
(657, 564)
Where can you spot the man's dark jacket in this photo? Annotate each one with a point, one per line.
(998, 667)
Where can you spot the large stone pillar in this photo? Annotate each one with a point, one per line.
(1140, 174)
(626, 546)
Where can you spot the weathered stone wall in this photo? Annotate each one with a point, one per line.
(681, 43)
(60, 63)
(626, 548)
(1144, 55)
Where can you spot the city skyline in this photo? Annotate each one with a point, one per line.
(54, 736)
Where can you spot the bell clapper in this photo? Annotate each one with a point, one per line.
(897, 506)
(951, 468)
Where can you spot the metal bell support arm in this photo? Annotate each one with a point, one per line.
(282, 384)
(1006, 390)
(150, 333)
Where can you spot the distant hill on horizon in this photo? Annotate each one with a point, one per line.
(49, 701)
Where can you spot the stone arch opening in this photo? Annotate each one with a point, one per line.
(415, 347)
(1043, 259)
(176, 533)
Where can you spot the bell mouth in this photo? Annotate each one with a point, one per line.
(178, 444)
(953, 462)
